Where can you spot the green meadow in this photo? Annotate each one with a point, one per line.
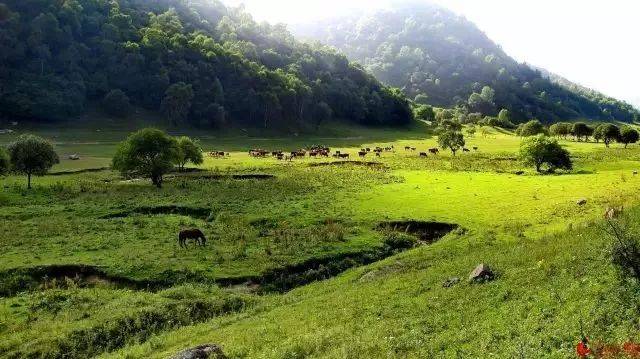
(299, 263)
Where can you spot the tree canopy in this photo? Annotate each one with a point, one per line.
(541, 151)
(444, 60)
(629, 135)
(188, 151)
(200, 62)
(32, 156)
(149, 152)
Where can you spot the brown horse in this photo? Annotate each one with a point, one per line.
(194, 234)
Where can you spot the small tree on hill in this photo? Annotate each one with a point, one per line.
(450, 136)
(581, 130)
(32, 155)
(188, 151)
(532, 128)
(607, 132)
(560, 129)
(148, 152)
(628, 135)
(542, 151)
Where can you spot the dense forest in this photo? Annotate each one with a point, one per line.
(441, 59)
(196, 62)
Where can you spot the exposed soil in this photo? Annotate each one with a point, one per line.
(86, 170)
(347, 163)
(427, 232)
(194, 212)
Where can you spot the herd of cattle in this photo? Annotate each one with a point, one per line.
(323, 151)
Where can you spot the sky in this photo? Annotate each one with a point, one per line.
(595, 43)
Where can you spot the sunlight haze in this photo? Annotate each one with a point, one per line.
(589, 42)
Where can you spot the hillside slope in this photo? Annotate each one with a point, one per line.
(427, 50)
(200, 62)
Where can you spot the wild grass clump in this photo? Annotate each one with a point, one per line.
(397, 241)
(625, 247)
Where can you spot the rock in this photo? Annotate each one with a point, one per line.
(581, 202)
(206, 351)
(451, 282)
(74, 157)
(482, 273)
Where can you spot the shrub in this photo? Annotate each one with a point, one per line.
(625, 249)
(628, 135)
(531, 128)
(396, 241)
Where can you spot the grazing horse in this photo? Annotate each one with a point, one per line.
(423, 154)
(343, 155)
(362, 154)
(434, 151)
(193, 234)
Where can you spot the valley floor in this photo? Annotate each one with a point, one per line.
(90, 265)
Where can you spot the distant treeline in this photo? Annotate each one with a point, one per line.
(196, 61)
(441, 59)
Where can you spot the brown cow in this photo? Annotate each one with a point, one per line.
(423, 154)
(362, 154)
(193, 234)
(434, 151)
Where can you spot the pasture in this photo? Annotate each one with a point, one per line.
(91, 264)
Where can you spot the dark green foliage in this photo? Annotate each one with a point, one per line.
(176, 103)
(628, 135)
(427, 50)
(149, 152)
(32, 155)
(203, 64)
(425, 113)
(5, 161)
(561, 129)
(188, 151)
(531, 128)
(581, 130)
(542, 151)
(625, 247)
(116, 103)
(450, 136)
(607, 133)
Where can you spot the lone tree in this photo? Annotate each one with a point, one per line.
(148, 152)
(188, 151)
(32, 155)
(450, 136)
(542, 151)
(607, 133)
(531, 128)
(628, 135)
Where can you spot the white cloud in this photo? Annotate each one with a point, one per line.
(592, 42)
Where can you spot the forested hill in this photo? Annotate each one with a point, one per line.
(442, 59)
(196, 62)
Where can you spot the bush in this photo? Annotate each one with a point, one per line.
(542, 151)
(531, 128)
(625, 248)
(116, 103)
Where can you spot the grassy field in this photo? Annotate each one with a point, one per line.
(90, 264)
